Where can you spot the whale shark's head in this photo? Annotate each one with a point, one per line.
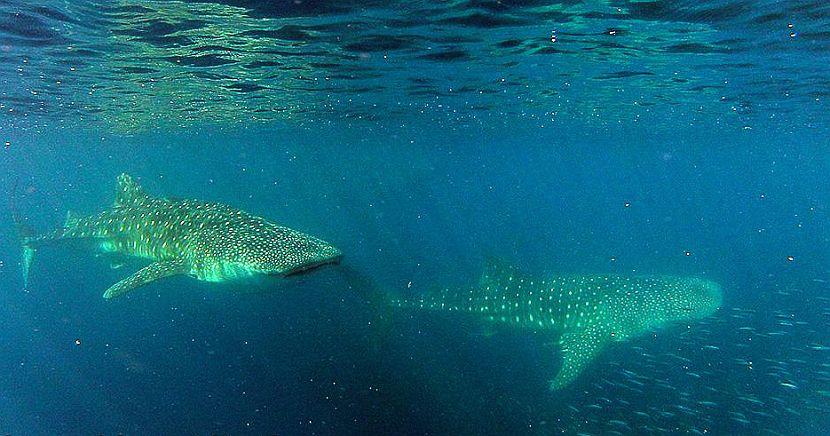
(275, 251)
(295, 254)
(693, 298)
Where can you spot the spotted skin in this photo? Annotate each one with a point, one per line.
(209, 241)
(587, 312)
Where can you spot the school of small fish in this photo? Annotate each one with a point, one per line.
(749, 370)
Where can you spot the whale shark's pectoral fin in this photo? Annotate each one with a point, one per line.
(145, 275)
(579, 348)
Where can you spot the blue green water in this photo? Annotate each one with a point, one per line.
(420, 138)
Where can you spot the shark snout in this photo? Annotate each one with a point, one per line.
(322, 254)
(710, 295)
(300, 269)
(715, 293)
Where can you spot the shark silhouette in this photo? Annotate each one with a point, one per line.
(587, 312)
(209, 241)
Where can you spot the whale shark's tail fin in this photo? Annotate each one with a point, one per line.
(24, 232)
(28, 258)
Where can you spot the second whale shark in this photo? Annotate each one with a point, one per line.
(587, 313)
(209, 241)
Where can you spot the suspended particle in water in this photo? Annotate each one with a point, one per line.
(790, 258)
(77, 342)
(7, 144)
(627, 204)
(687, 253)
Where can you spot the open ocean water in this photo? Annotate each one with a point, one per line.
(423, 139)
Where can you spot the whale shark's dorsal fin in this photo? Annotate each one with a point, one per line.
(496, 272)
(128, 192)
(71, 220)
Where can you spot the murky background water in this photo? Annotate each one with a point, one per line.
(421, 138)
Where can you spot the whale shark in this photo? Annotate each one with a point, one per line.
(209, 241)
(587, 312)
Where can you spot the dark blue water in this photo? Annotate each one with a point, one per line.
(420, 139)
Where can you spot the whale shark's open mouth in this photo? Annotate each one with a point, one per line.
(305, 268)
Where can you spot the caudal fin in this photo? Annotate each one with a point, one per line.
(378, 303)
(28, 258)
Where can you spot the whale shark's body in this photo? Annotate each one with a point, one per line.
(587, 312)
(209, 241)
